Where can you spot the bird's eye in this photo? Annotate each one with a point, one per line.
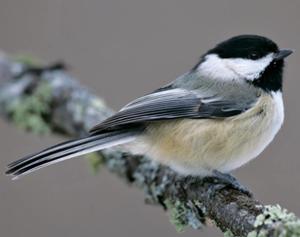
(253, 56)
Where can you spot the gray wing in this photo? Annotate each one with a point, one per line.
(171, 104)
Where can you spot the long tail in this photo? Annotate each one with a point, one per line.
(68, 150)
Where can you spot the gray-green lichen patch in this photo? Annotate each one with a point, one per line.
(177, 214)
(29, 111)
(96, 161)
(27, 60)
(228, 233)
(181, 215)
(115, 161)
(194, 215)
(282, 223)
(146, 174)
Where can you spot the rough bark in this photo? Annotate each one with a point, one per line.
(48, 100)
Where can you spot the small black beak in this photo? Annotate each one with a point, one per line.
(283, 53)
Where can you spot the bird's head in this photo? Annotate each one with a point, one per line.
(246, 58)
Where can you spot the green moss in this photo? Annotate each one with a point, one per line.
(228, 233)
(27, 60)
(182, 215)
(177, 214)
(96, 161)
(30, 111)
(283, 223)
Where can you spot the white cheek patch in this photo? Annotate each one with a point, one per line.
(247, 68)
(214, 68)
(217, 68)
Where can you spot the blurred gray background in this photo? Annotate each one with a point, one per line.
(123, 49)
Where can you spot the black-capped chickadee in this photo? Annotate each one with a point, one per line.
(216, 117)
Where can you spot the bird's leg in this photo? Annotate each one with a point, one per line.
(230, 181)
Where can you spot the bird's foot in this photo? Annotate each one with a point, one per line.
(227, 180)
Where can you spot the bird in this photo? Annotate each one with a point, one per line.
(211, 120)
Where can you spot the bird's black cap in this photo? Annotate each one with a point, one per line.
(254, 47)
(245, 46)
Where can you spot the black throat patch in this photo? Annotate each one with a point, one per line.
(271, 79)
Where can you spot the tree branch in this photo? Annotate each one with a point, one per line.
(48, 100)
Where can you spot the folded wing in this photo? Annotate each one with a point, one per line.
(170, 104)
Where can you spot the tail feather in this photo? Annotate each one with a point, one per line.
(48, 151)
(68, 150)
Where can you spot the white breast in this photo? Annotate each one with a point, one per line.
(263, 132)
(196, 147)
